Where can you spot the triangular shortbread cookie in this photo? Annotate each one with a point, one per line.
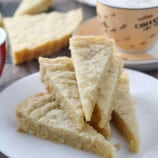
(58, 76)
(104, 107)
(91, 57)
(124, 116)
(40, 35)
(42, 116)
(106, 131)
(106, 92)
(33, 7)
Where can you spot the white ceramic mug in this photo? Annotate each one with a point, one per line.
(134, 29)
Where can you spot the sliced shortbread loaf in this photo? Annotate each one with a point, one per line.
(58, 76)
(33, 7)
(124, 116)
(42, 116)
(40, 35)
(104, 107)
(91, 57)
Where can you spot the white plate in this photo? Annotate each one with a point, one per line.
(89, 2)
(144, 90)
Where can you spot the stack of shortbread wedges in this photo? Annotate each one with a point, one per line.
(83, 94)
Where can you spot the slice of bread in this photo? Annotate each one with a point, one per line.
(58, 76)
(104, 107)
(32, 7)
(124, 115)
(91, 57)
(40, 35)
(42, 116)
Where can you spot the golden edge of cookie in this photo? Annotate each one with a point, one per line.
(39, 8)
(46, 49)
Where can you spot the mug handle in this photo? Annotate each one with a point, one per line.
(2, 49)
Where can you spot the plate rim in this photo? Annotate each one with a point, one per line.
(87, 3)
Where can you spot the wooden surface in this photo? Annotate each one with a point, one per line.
(11, 72)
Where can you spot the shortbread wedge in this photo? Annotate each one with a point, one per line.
(58, 76)
(40, 35)
(106, 131)
(124, 116)
(42, 116)
(32, 7)
(104, 107)
(91, 57)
